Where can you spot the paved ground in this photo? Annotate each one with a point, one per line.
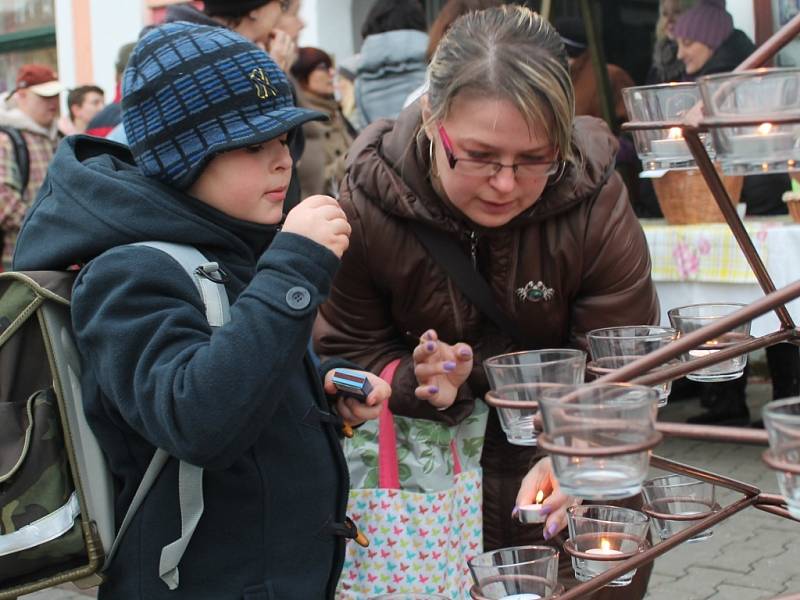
(753, 556)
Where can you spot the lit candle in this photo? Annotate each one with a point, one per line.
(532, 513)
(704, 352)
(671, 146)
(605, 549)
(762, 144)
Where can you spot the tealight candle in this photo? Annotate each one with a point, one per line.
(762, 144)
(532, 513)
(605, 549)
(670, 146)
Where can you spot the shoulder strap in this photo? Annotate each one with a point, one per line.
(459, 268)
(21, 155)
(209, 279)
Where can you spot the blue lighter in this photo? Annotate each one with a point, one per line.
(352, 383)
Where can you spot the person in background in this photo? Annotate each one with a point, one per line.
(494, 161)
(392, 61)
(109, 117)
(666, 65)
(344, 82)
(257, 21)
(328, 140)
(708, 43)
(84, 103)
(31, 110)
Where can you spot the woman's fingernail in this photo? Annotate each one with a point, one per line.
(449, 366)
(430, 346)
(550, 531)
(515, 512)
(465, 352)
(432, 389)
(545, 511)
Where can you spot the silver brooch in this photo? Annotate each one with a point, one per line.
(535, 292)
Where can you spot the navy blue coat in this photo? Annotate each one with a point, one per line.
(245, 402)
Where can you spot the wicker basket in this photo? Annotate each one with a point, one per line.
(684, 197)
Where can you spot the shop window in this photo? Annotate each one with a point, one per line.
(27, 34)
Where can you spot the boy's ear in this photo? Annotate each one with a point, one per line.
(426, 115)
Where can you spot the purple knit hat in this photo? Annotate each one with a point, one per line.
(707, 22)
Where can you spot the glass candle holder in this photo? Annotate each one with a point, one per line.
(599, 437)
(517, 572)
(782, 422)
(676, 502)
(762, 95)
(603, 366)
(662, 148)
(600, 536)
(687, 319)
(614, 347)
(507, 372)
(403, 596)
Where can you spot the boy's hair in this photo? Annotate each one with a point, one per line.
(391, 15)
(123, 55)
(309, 59)
(78, 95)
(191, 92)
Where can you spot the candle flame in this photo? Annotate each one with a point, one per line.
(675, 133)
(605, 545)
(765, 128)
(539, 497)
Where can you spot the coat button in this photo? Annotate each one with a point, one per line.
(298, 298)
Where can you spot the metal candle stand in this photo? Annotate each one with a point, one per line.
(648, 370)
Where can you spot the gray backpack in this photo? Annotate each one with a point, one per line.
(56, 493)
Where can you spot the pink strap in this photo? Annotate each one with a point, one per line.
(388, 469)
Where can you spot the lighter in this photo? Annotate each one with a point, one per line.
(352, 383)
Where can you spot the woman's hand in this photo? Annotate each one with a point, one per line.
(555, 505)
(353, 411)
(440, 369)
(282, 49)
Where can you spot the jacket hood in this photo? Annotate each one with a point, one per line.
(12, 116)
(393, 51)
(391, 166)
(94, 198)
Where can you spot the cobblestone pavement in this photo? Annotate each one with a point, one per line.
(752, 556)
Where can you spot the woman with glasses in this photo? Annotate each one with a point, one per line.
(492, 160)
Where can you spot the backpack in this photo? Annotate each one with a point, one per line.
(57, 520)
(21, 156)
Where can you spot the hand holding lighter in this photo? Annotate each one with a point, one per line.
(353, 384)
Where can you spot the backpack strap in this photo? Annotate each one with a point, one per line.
(209, 279)
(21, 155)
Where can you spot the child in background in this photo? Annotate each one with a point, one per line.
(209, 117)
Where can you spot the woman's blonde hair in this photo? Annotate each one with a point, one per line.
(506, 52)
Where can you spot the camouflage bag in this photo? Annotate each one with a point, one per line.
(57, 521)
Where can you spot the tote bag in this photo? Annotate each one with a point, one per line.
(417, 496)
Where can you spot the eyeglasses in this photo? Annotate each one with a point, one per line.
(489, 168)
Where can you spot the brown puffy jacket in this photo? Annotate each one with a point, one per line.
(580, 238)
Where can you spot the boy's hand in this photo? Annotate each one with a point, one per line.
(282, 49)
(321, 219)
(440, 369)
(556, 503)
(351, 410)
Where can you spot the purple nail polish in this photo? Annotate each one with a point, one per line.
(515, 512)
(465, 353)
(430, 346)
(551, 530)
(449, 366)
(432, 389)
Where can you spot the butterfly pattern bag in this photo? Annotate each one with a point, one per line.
(416, 494)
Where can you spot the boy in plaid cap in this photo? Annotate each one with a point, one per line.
(208, 116)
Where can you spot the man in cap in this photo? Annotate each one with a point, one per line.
(28, 120)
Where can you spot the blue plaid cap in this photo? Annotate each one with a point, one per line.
(191, 92)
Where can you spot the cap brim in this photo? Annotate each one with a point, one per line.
(47, 89)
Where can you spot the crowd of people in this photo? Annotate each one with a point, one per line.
(310, 184)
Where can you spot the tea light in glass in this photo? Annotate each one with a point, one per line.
(672, 146)
(764, 143)
(782, 422)
(532, 513)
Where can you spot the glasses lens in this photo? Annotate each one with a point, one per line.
(537, 169)
(476, 167)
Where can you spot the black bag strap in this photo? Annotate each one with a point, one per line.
(459, 268)
(21, 155)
